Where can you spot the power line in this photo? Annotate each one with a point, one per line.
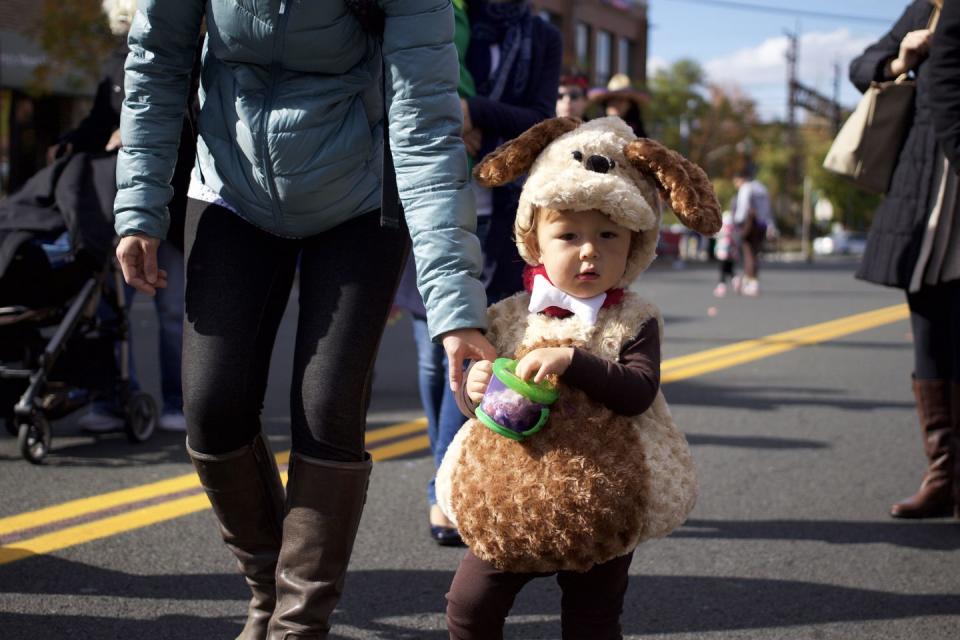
(759, 8)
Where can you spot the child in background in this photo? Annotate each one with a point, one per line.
(726, 253)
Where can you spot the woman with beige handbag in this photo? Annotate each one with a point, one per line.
(914, 245)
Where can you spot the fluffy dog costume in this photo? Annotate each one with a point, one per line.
(592, 484)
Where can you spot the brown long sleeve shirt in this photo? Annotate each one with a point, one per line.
(628, 386)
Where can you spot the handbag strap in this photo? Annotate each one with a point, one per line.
(371, 18)
(934, 18)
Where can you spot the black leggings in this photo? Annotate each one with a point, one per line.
(238, 280)
(935, 321)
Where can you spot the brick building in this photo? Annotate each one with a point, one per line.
(601, 37)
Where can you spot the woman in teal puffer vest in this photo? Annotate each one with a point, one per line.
(288, 174)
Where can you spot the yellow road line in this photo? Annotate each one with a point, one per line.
(103, 528)
(674, 369)
(731, 355)
(83, 506)
(379, 435)
(399, 448)
(146, 516)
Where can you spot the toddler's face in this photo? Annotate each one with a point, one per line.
(584, 252)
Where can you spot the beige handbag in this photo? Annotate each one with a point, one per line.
(868, 145)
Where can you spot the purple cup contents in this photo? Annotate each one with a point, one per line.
(513, 407)
(508, 408)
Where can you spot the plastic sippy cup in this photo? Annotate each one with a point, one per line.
(512, 406)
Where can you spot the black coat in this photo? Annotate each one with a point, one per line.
(944, 73)
(505, 119)
(893, 245)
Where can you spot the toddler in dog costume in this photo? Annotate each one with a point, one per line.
(610, 468)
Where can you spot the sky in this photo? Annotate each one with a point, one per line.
(745, 49)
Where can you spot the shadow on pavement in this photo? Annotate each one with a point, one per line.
(388, 603)
(933, 536)
(72, 448)
(769, 398)
(754, 442)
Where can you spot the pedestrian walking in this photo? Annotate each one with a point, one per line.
(572, 95)
(753, 220)
(435, 398)
(289, 175)
(572, 497)
(514, 60)
(726, 253)
(912, 245)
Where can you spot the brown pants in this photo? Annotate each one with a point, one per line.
(481, 596)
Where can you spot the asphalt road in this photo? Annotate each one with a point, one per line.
(801, 443)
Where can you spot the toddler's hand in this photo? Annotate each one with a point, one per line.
(540, 363)
(477, 380)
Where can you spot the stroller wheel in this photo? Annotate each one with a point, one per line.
(34, 439)
(141, 417)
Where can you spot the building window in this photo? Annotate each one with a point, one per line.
(601, 62)
(582, 45)
(624, 47)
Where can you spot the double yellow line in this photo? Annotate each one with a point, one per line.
(702, 362)
(57, 527)
(152, 513)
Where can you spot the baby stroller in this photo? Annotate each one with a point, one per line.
(57, 354)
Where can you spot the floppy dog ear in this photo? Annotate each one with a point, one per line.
(691, 195)
(514, 158)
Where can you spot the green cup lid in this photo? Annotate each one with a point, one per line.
(541, 393)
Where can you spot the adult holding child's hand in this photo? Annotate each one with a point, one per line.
(290, 185)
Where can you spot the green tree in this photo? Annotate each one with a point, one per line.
(852, 205)
(75, 37)
(677, 104)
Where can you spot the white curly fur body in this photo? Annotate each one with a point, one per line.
(670, 487)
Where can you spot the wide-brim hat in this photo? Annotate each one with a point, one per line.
(619, 86)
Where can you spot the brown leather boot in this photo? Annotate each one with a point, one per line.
(324, 502)
(935, 496)
(247, 497)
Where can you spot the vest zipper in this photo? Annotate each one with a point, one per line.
(275, 68)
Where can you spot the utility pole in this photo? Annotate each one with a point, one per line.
(793, 138)
(838, 111)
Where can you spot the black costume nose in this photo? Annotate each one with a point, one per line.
(598, 163)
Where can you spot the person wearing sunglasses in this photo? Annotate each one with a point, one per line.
(572, 95)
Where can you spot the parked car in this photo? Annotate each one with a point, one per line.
(843, 242)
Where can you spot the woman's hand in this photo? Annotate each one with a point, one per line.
(541, 363)
(114, 142)
(478, 378)
(467, 121)
(465, 344)
(137, 255)
(913, 49)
